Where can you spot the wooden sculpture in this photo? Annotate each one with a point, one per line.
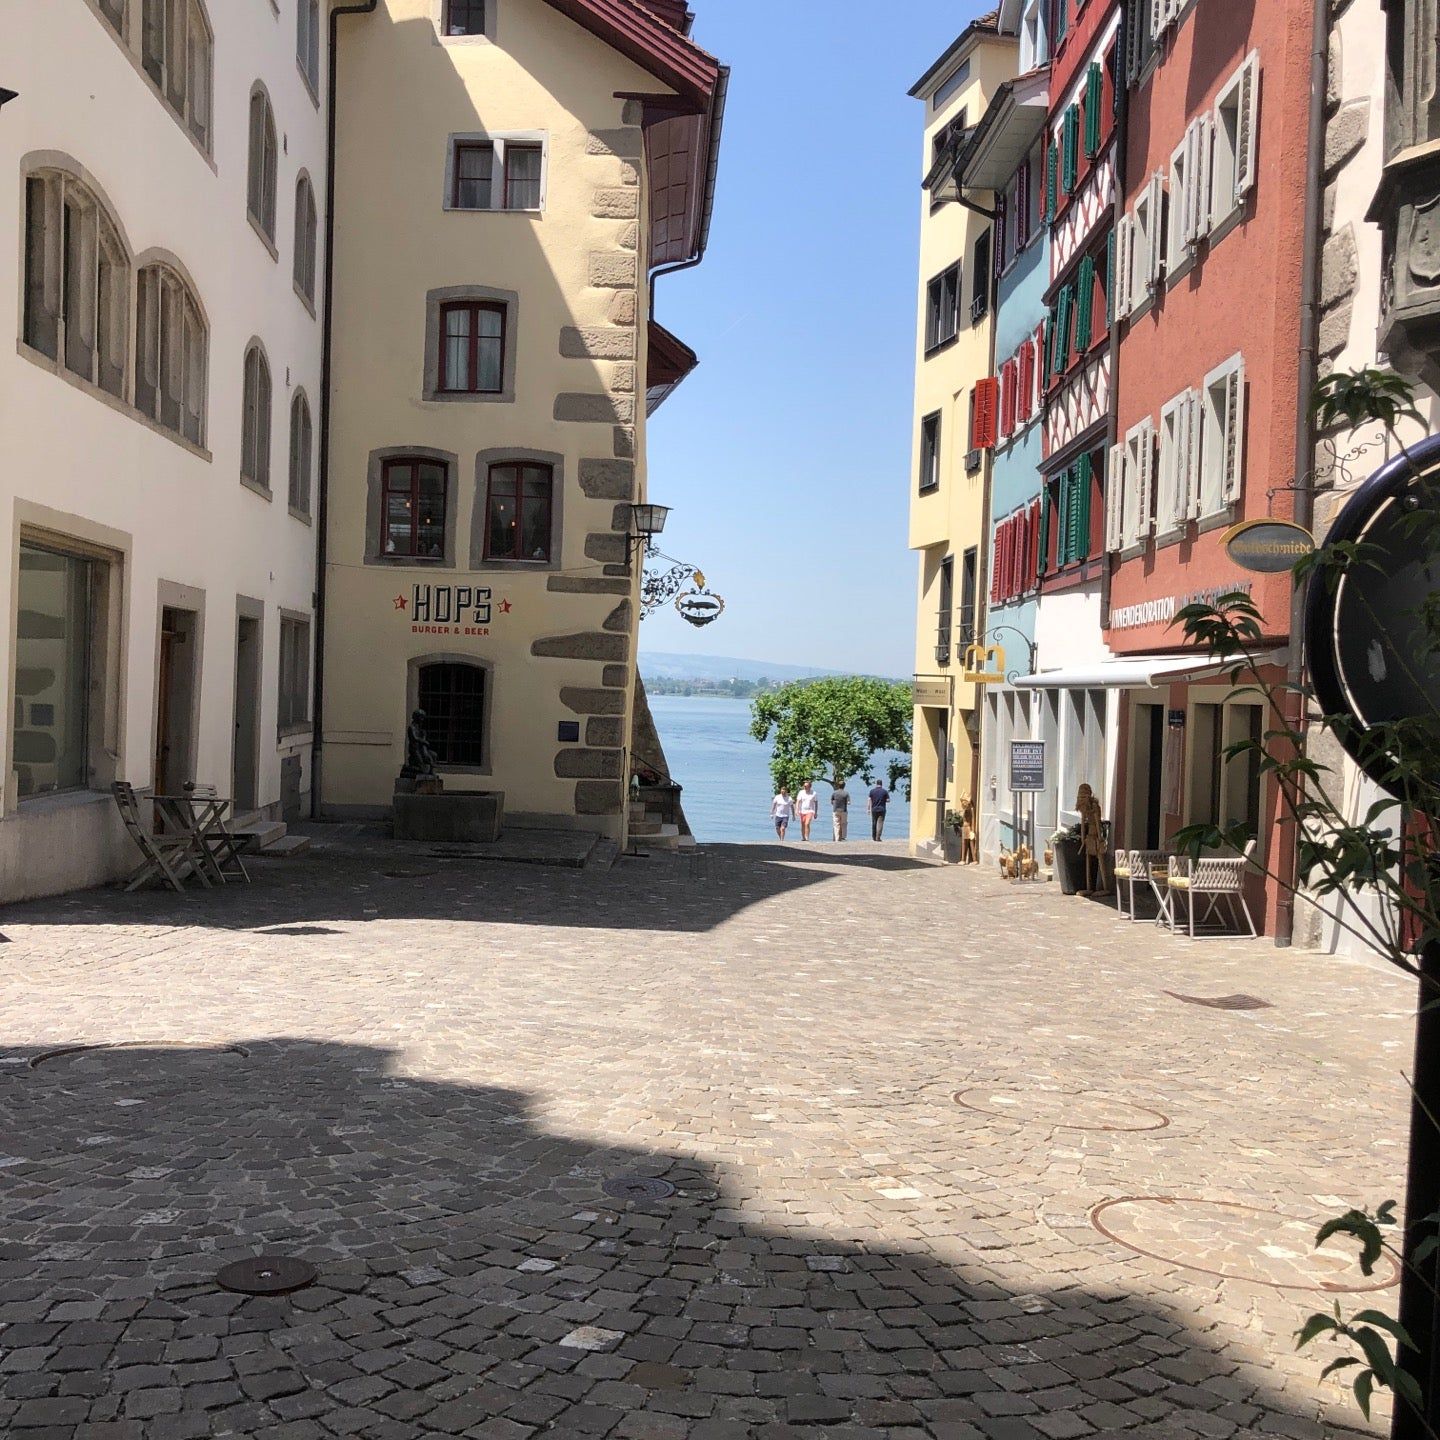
(1092, 841)
(969, 840)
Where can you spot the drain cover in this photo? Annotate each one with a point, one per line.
(638, 1187)
(266, 1275)
(1223, 1002)
(155, 1052)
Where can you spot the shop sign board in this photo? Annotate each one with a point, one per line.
(1268, 547)
(1027, 767)
(933, 691)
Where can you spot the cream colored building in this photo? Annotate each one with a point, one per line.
(159, 169)
(509, 178)
(950, 467)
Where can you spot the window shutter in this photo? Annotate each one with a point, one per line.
(995, 552)
(1205, 156)
(1062, 19)
(1157, 17)
(1025, 382)
(1012, 569)
(1052, 163)
(1085, 283)
(985, 417)
(1000, 233)
(1145, 487)
(1042, 548)
(1047, 346)
(1071, 133)
(1007, 398)
(1114, 499)
(1131, 21)
(1120, 291)
(1172, 418)
(1109, 278)
(1094, 94)
(1249, 102)
(1234, 432)
(1084, 477)
(1022, 207)
(1193, 475)
(1154, 258)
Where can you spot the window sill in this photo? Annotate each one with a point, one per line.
(1173, 276)
(929, 489)
(263, 491)
(60, 800)
(514, 567)
(312, 86)
(463, 40)
(942, 345)
(1227, 223)
(1217, 520)
(452, 209)
(468, 397)
(266, 240)
(306, 300)
(289, 734)
(303, 516)
(413, 562)
(113, 402)
(480, 770)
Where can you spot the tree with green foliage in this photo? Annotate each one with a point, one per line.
(832, 729)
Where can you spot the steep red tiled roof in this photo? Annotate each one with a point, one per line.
(633, 28)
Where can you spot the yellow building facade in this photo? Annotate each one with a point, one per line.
(509, 177)
(949, 469)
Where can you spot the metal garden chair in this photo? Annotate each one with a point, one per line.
(1132, 868)
(1213, 880)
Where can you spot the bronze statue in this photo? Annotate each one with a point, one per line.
(419, 757)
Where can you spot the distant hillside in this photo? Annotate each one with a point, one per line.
(666, 665)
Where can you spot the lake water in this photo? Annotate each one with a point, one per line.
(726, 774)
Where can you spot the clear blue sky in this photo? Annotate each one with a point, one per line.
(786, 455)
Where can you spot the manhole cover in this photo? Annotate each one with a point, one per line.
(1064, 1110)
(1235, 1241)
(266, 1275)
(1223, 1002)
(83, 1056)
(638, 1187)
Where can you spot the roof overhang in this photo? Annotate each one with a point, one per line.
(1143, 672)
(662, 50)
(980, 29)
(1007, 132)
(668, 362)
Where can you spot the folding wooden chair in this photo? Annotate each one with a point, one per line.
(220, 845)
(168, 858)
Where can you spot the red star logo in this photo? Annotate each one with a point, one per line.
(506, 607)
(401, 602)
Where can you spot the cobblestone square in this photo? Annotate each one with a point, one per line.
(942, 1156)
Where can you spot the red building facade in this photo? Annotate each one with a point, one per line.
(1207, 288)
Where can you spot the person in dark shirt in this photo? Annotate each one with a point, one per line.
(840, 812)
(879, 801)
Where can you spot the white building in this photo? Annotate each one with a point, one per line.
(159, 413)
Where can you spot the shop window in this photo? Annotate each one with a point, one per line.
(293, 706)
(176, 52)
(54, 659)
(263, 160)
(413, 515)
(255, 420)
(171, 351)
(452, 695)
(77, 281)
(519, 505)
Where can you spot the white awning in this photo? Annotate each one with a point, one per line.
(1145, 672)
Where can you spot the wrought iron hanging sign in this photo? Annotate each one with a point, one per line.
(682, 584)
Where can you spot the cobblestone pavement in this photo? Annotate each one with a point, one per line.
(895, 1103)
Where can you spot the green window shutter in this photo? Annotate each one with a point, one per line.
(1062, 530)
(1094, 94)
(1044, 549)
(1064, 308)
(1047, 349)
(1052, 171)
(1062, 18)
(1084, 484)
(1110, 279)
(1083, 316)
(1070, 161)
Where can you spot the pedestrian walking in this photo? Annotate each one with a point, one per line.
(840, 812)
(782, 811)
(807, 808)
(879, 799)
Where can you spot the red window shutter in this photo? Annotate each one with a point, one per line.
(1026, 381)
(985, 407)
(1033, 561)
(995, 565)
(1007, 398)
(1022, 206)
(1011, 535)
(1014, 587)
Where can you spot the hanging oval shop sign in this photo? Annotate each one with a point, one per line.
(699, 607)
(1267, 546)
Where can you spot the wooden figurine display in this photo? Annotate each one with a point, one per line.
(969, 840)
(1092, 841)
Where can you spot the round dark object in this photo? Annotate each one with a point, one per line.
(266, 1275)
(638, 1187)
(1365, 638)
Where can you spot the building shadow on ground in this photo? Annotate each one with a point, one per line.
(356, 878)
(476, 1278)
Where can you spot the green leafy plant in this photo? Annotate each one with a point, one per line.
(1376, 872)
(833, 728)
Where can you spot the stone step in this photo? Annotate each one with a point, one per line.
(287, 847)
(259, 834)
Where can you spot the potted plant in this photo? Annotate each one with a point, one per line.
(954, 825)
(1069, 859)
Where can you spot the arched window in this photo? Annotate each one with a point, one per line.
(452, 695)
(255, 417)
(77, 281)
(301, 446)
(305, 232)
(176, 50)
(263, 161)
(170, 353)
(307, 40)
(518, 511)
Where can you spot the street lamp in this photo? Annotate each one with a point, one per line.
(646, 522)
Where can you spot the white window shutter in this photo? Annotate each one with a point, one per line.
(1249, 107)
(1190, 222)
(1114, 498)
(1234, 460)
(1159, 9)
(1155, 260)
(1145, 482)
(1194, 426)
(1205, 156)
(1124, 239)
(1132, 44)
(1168, 463)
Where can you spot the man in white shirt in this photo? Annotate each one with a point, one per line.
(807, 807)
(782, 808)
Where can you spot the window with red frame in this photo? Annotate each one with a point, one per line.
(472, 348)
(412, 514)
(518, 512)
(473, 169)
(464, 17)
